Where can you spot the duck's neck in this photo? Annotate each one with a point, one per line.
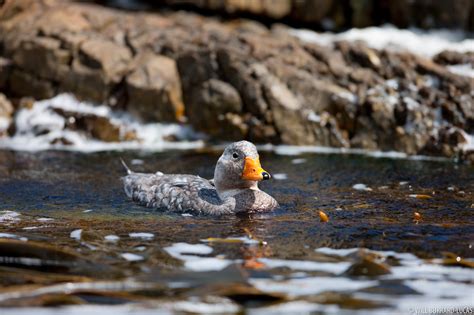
(226, 190)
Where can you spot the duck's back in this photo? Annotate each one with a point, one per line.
(179, 193)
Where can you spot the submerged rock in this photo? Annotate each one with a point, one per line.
(367, 265)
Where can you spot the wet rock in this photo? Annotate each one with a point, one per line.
(367, 265)
(154, 89)
(50, 300)
(391, 288)
(38, 256)
(451, 259)
(244, 294)
(345, 301)
(16, 276)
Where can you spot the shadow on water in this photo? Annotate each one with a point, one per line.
(71, 206)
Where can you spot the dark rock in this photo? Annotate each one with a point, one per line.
(44, 51)
(23, 83)
(391, 288)
(5, 70)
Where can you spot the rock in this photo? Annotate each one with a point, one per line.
(86, 83)
(24, 83)
(110, 57)
(365, 136)
(6, 111)
(95, 126)
(44, 51)
(215, 108)
(450, 57)
(154, 89)
(238, 79)
(98, 67)
(367, 266)
(464, 84)
(391, 287)
(5, 70)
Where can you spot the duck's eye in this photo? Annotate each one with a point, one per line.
(235, 155)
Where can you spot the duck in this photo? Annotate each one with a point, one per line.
(234, 188)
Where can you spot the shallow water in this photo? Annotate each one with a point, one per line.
(101, 249)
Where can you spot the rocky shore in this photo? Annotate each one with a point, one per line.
(234, 79)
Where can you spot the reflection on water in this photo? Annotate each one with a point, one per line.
(68, 235)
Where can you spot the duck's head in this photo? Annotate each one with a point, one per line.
(238, 168)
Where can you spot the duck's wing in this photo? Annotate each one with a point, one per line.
(179, 193)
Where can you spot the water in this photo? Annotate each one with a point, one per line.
(71, 238)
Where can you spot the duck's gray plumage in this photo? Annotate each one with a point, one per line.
(189, 193)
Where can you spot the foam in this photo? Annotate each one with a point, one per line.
(142, 235)
(462, 69)
(42, 117)
(9, 216)
(425, 43)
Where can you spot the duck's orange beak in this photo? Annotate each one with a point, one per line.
(253, 170)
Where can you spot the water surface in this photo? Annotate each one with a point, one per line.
(372, 254)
